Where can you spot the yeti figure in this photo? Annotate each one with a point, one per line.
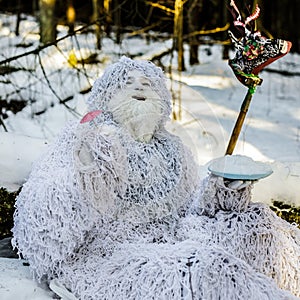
(111, 210)
(108, 177)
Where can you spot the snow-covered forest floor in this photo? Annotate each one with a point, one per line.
(51, 88)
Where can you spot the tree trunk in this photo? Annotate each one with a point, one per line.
(71, 16)
(224, 16)
(178, 33)
(193, 12)
(19, 11)
(194, 60)
(117, 20)
(108, 18)
(47, 21)
(96, 18)
(35, 6)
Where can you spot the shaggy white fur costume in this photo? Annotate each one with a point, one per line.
(112, 211)
(249, 231)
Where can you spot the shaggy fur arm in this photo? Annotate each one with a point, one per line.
(51, 217)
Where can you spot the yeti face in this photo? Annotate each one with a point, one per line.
(137, 107)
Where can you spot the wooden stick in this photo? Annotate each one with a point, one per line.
(239, 122)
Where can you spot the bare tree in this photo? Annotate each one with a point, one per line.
(48, 21)
(177, 28)
(71, 16)
(224, 12)
(193, 11)
(96, 18)
(116, 15)
(19, 11)
(107, 8)
(178, 32)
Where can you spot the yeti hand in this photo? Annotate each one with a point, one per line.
(109, 131)
(234, 184)
(85, 156)
(239, 184)
(96, 145)
(84, 159)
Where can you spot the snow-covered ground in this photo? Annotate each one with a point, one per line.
(208, 94)
(16, 282)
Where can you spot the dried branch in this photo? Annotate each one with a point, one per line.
(137, 32)
(42, 47)
(61, 101)
(209, 31)
(162, 7)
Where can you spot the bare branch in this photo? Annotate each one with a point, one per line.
(61, 101)
(137, 32)
(162, 7)
(209, 31)
(42, 47)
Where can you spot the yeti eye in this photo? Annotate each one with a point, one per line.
(129, 80)
(145, 83)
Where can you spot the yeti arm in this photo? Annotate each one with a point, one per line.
(52, 217)
(101, 164)
(93, 143)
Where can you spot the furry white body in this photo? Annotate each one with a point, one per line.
(112, 210)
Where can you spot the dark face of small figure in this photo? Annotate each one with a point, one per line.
(137, 107)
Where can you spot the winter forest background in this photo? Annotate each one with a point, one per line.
(53, 50)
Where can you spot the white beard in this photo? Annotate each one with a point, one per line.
(137, 107)
(140, 118)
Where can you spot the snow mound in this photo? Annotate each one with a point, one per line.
(19, 152)
(16, 282)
